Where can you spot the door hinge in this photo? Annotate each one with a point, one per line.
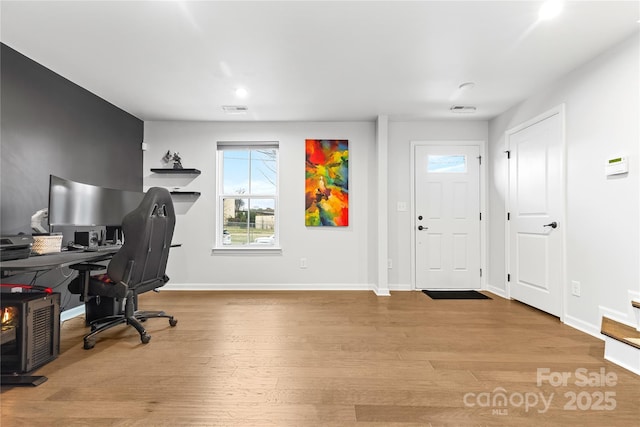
(508, 277)
(480, 272)
(480, 159)
(508, 154)
(480, 216)
(508, 216)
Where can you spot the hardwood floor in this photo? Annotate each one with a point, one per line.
(330, 358)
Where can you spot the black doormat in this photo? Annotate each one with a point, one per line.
(455, 295)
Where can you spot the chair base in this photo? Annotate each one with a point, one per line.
(134, 320)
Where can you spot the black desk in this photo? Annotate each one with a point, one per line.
(59, 260)
(55, 260)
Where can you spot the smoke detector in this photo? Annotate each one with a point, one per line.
(235, 109)
(462, 109)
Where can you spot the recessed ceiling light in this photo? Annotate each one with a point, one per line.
(550, 9)
(242, 92)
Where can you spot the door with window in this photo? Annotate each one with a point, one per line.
(447, 216)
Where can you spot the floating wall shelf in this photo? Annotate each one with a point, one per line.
(185, 171)
(180, 175)
(185, 193)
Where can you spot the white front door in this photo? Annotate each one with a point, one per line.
(447, 216)
(536, 211)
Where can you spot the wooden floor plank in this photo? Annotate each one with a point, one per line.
(325, 358)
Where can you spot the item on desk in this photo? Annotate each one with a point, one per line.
(37, 220)
(86, 238)
(113, 234)
(47, 244)
(15, 247)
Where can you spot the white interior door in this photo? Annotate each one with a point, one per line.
(447, 217)
(536, 210)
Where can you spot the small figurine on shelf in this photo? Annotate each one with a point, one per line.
(175, 158)
(177, 161)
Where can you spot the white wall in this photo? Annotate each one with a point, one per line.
(399, 164)
(603, 236)
(602, 120)
(337, 257)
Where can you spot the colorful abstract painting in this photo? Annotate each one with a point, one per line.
(327, 182)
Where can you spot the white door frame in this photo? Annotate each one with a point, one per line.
(560, 110)
(483, 206)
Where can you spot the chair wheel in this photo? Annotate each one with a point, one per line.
(89, 344)
(173, 322)
(145, 338)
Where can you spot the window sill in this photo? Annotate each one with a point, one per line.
(247, 250)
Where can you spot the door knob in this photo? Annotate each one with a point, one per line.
(422, 228)
(552, 225)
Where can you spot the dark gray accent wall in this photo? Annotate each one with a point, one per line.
(50, 125)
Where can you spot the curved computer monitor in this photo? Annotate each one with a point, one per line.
(75, 203)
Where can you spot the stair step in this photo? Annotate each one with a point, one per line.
(635, 303)
(621, 332)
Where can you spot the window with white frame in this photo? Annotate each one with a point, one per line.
(247, 195)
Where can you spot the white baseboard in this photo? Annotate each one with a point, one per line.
(269, 287)
(497, 291)
(583, 326)
(79, 310)
(622, 355)
(634, 312)
(381, 292)
(616, 315)
(71, 313)
(400, 287)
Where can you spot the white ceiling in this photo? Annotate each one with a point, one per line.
(301, 60)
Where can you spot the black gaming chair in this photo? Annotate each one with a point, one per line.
(139, 266)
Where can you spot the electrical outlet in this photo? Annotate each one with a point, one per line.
(575, 288)
(303, 263)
